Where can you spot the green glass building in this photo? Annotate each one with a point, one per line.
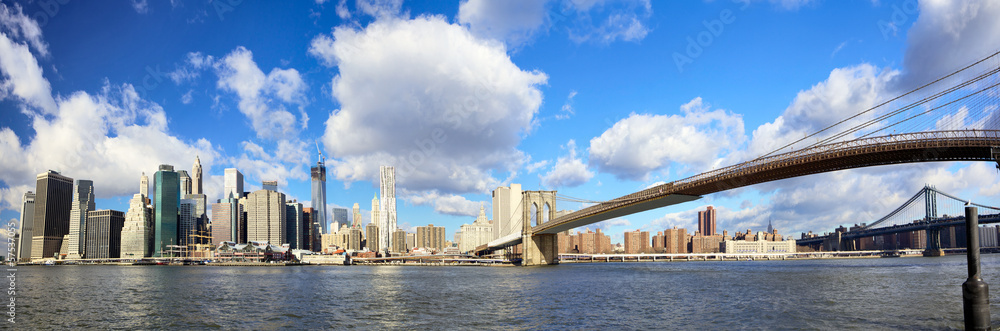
(166, 204)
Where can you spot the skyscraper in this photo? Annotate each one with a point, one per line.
(372, 236)
(137, 232)
(340, 216)
(185, 182)
(266, 216)
(223, 220)
(706, 221)
(356, 217)
(104, 234)
(319, 195)
(144, 186)
(166, 207)
(83, 202)
(507, 210)
(187, 222)
(270, 185)
(293, 225)
(478, 233)
(387, 215)
(232, 184)
(53, 201)
(431, 236)
(25, 229)
(196, 183)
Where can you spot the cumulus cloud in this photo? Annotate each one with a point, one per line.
(21, 27)
(262, 97)
(949, 35)
(569, 170)
(512, 21)
(448, 204)
(641, 143)
(446, 108)
(22, 76)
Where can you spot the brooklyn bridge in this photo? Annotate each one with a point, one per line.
(952, 118)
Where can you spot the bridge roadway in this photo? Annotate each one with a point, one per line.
(916, 226)
(933, 146)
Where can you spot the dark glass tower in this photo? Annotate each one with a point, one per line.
(53, 201)
(166, 204)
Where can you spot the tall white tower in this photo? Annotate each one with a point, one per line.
(196, 179)
(387, 217)
(83, 202)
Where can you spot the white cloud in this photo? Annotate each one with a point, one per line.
(569, 170)
(642, 143)
(187, 98)
(511, 21)
(284, 163)
(20, 26)
(949, 35)
(191, 68)
(448, 204)
(238, 73)
(567, 109)
(342, 10)
(22, 76)
(603, 22)
(140, 6)
(380, 8)
(446, 108)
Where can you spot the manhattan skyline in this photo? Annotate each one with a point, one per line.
(594, 99)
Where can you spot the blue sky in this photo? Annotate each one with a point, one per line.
(595, 99)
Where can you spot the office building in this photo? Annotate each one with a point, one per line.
(294, 222)
(25, 235)
(137, 232)
(356, 217)
(318, 174)
(83, 202)
(232, 186)
(431, 237)
(166, 208)
(376, 213)
(270, 185)
(706, 222)
(196, 181)
(637, 242)
(53, 201)
(104, 234)
(507, 210)
(185, 181)
(200, 214)
(266, 216)
(223, 220)
(340, 216)
(372, 235)
(480, 232)
(387, 215)
(186, 222)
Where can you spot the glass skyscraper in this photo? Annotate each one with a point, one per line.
(165, 204)
(319, 195)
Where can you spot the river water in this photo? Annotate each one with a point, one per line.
(888, 293)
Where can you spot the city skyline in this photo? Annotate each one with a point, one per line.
(581, 87)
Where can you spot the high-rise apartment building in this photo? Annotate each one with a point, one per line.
(25, 229)
(53, 201)
(706, 222)
(104, 234)
(196, 182)
(137, 232)
(166, 208)
(294, 230)
(637, 242)
(430, 236)
(232, 184)
(399, 241)
(411, 241)
(313, 239)
(83, 202)
(266, 216)
(387, 215)
(372, 236)
(507, 210)
(675, 240)
(318, 174)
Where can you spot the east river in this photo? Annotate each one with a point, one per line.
(886, 293)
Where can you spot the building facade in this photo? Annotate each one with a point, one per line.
(137, 232)
(104, 234)
(371, 237)
(507, 210)
(706, 221)
(266, 217)
(399, 241)
(431, 237)
(196, 182)
(53, 201)
(637, 242)
(480, 232)
(318, 174)
(232, 184)
(83, 202)
(294, 225)
(760, 246)
(25, 228)
(356, 217)
(387, 215)
(166, 208)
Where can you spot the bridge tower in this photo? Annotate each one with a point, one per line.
(541, 249)
(933, 247)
